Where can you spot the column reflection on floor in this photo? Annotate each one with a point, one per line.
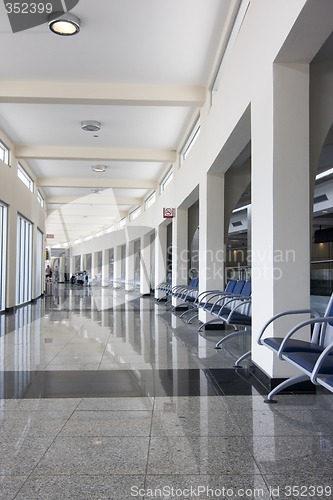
(100, 342)
(101, 392)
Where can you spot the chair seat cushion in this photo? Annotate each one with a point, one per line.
(292, 345)
(240, 319)
(307, 361)
(190, 298)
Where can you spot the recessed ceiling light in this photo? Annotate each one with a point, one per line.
(90, 125)
(97, 191)
(64, 24)
(99, 168)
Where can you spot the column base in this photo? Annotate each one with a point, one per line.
(270, 383)
(214, 326)
(179, 308)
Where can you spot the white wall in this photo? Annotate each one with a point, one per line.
(19, 199)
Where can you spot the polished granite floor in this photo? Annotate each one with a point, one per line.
(107, 395)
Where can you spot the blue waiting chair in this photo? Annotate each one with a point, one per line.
(313, 357)
(221, 305)
(202, 299)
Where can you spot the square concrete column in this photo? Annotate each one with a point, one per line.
(160, 257)
(117, 257)
(145, 264)
(94, 264)
(82, 262)
(72, 266)
(129, 266)
(105, 267)
(180, 251)
(280, 205)
(211, 235)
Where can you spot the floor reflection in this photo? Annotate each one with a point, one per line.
(100, 342)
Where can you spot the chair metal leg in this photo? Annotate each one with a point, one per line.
(286, 383)
(241, 358)
(188, 321)
(185, 312)
(215, 320)
(232, 334)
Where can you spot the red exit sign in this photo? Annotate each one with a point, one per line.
(50, 236)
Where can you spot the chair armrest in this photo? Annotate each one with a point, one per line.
(313, 321)
(218, 296)
(319, 362)
(242, 303)
(230, 300)
(229, 297)
(285, 313)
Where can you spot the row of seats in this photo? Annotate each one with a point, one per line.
(181, 292)
(231, 306)
(313, 358)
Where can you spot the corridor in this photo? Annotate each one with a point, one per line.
(108, 395)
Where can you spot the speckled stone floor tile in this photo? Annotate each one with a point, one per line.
(95, 455)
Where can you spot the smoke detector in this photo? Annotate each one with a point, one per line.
(90, 125)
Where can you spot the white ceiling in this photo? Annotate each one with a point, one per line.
(141, 68)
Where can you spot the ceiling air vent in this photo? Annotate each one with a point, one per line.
(237, 223)
(90, 125)
(320, 198)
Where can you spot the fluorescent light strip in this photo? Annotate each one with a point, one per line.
(324, 174)
(241, 208)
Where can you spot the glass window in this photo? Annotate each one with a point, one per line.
(230, 44)
(39, 275)
(150, 200)
(133, 215)
(166, 180)
(23, 260)
(4, 153)
(40, 199)
(122, 222)
(3, 255)
(25, 178)
(190, 141)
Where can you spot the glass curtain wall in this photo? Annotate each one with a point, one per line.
(39, 276)
(3, 256)
(23, 260)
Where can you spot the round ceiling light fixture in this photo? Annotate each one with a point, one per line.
(90, 125)
(99, 168)
(64, 24)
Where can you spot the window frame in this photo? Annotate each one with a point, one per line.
(25, 178)
(40, 199)
(5, 156)
(166, 180)
(150, 200)
(190, 141)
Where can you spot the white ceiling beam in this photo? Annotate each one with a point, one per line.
(95, 154)
(100, 93)
(98, 200)
(96, 183)
(95, 220)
